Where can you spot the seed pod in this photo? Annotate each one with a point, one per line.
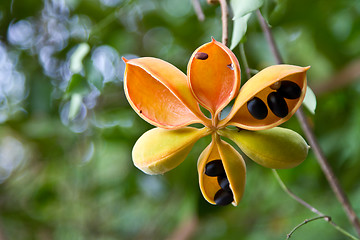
(235, 172)
(224, 183)
(260, 86)
(160, 150)
(289, 90)
(277, 104)
(257, 108)
(223, 198)
(277, 147)
(214, 168)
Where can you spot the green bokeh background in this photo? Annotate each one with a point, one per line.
(74, 179)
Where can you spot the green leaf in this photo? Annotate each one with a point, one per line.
(77, 57)
(77, 84)
(310, 100)
(75, 104)
(243, 7)
(239, 30)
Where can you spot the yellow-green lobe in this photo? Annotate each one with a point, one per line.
(278, 148)
(160, 150)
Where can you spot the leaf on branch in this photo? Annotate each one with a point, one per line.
(310, 100)
(243, 7)
(239, 30)
(242, 10)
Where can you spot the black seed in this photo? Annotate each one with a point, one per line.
(257, 108)
(224, 182)
(140, 111)
(289, 90)
(223, 197)
(214, 168)
(201, 55)
(277, 104)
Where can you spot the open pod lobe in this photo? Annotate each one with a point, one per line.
(214, 76)
(269, 98)
(234, 167)
(159, 93)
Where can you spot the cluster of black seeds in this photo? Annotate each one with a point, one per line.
(224, 196)
(275, 100)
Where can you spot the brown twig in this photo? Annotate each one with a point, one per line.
(197, 7)
(305, 222)
(265, 27)
(224, 19)
(330, 176)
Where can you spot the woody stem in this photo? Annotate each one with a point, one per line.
(224, 19)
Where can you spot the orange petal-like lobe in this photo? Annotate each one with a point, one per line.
(159, 93)
(260, 86)
(214, 76)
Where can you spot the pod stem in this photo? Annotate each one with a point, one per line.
(224, 19)
(310, 136)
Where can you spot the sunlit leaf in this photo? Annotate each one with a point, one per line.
(243, 7)
(75, 104)
(310, 100)
(77, 57)
(239, 30)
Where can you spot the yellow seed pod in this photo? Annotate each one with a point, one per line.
(277, 148)
(234, 172)
(269, 98)
(160, 150)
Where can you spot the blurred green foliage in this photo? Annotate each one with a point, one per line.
(72, 177)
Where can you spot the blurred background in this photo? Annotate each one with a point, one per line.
(66, 129)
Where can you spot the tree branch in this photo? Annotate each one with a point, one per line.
(330, 176)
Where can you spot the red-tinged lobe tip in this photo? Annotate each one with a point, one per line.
(124, 59)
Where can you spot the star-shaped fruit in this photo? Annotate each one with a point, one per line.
(165, 97)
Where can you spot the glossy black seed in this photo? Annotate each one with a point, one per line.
(201, 55)
(224, 182)
(289, 90)
(277, 104)
(223, 197)
(214, 168)
(257, 108)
